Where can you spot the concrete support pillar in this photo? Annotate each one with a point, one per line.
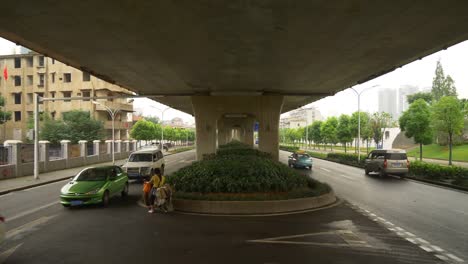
(44, 152)
(65, 144)
(96, 144)
(83, 148)
(14, 155)
(268, 117)
(205, 122)
(248, 135)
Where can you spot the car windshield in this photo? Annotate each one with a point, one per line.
(141, 157)
(95, 174)
(303, 156)
(396, 156)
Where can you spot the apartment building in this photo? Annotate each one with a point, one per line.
(34, 73)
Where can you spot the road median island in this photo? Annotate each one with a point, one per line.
(241, 180)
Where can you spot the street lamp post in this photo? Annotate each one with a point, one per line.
(359, 118)
(112, 113)
(162, 128)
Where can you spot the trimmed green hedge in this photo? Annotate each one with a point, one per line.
(238, 169)
(288, 148)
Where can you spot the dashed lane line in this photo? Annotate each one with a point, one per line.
(410, 237)
(327, 170)
(31, 211)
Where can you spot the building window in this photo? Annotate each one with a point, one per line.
(41, 80)
(86, 94)
(17, 80)
(67, 77)
(30, 115)
(41, 61)
(17, 98)
(53, 61)
(17, 116)
(52, 75)
(29, 97)
(86, 77)
(29, 61)
(17, 63)
(53, 115)
(110, 99)
(67, 95)
(30, 80)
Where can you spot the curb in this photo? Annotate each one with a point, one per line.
(254, 207)
(52, 181)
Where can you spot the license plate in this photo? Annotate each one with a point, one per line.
(73, 203)
(397, 165)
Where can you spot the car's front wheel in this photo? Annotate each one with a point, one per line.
(310, 167)
(124, 192)
(105, 199)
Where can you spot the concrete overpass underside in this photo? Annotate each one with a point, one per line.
(298, 51)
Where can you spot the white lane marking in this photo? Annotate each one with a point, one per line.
(442, 257)
(349, 178)
(371, 214)
(325, 169)
(399, 229)
(381, 219)
(459, 211)
(422, 240)
(427, 249)
(400, 234)
(411, 240)
(29, 226)
(436, 248)
(409, 234)
(7, 194)
(389, 223)
(4, 255)
(455, 258)
(31, 211)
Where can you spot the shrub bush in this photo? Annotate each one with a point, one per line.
(237, 168)
(288, 148)
(349, 159)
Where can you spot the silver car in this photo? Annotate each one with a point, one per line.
(390, 161)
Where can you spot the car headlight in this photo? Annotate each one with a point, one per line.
(93, 191)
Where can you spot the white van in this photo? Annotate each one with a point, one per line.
(141, 163)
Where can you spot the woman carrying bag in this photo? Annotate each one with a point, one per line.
(157, 180)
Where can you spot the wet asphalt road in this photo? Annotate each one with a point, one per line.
(43, 232)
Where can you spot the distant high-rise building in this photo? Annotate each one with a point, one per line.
(403, 92)
(301, 117)
(388, 102)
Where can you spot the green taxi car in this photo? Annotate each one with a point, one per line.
(94, 185)
(300, 159)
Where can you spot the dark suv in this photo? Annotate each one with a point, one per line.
(384, 162)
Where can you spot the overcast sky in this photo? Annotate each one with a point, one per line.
(419, 73)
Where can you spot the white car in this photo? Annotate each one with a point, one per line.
(2, 229)
(141, 163)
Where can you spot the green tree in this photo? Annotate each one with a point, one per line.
(143, 130)
(421, 95)
(441, 85)
(80, 126)
(416, 123)
(379, 122)
(448, 118)
(329, 131)
(75, 125)
(344, 134)
(366, 131)
(315, 133)
(153, 119)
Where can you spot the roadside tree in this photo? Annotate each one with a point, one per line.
(416, 123)
(441, 85)
(448, 118)
(315, 133)
(328, 131)
(379, 123)
(344, 134)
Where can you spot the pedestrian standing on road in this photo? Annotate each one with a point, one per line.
(157, 180)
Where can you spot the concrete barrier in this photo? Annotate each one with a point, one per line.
(254, 207)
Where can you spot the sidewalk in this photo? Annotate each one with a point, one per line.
(25, 182)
